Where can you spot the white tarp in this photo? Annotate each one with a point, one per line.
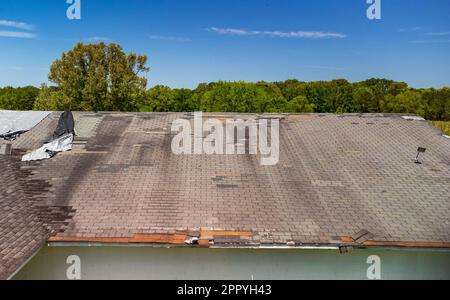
(64, 143)
(19, 121)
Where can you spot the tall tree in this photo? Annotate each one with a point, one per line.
(97, 77)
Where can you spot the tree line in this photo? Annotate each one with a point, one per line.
(293, 96)
(100, 77)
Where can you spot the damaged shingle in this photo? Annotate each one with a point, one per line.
(363, 236)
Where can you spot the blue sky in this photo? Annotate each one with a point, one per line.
(193, 41)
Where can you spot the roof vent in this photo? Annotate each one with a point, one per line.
(419, 151)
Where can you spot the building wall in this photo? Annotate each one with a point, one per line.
(239, 264)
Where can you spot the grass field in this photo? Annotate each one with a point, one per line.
(444, 126)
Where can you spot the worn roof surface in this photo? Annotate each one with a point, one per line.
(344, 180)
(27, 214)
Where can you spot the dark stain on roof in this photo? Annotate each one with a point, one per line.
(27, 218)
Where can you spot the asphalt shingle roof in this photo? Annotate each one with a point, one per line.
(337, 175)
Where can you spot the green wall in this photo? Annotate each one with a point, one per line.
(239, 264)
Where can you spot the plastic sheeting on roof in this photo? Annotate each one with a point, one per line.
(66, 125)
(62, 140)
(13, 123)
(64, 143)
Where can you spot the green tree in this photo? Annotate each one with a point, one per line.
(184, 101)
(382, 88)
(337, 96)
(299, 104)
(340, 97)
(97, 77)
(364, 100)
(18, 98)
(406, 102)
(316, 93)
(438, 102)
(269, 98)
(161, 99)
(240, 97)
(292, 88)
(229, 97)
(52, 99)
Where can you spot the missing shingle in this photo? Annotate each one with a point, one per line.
(86, 125)
(363, 236)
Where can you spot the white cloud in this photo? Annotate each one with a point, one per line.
(412, 29)
(231, 31)
(18, 25)
(17, 34)
(430, 41)
(98, 39)
(437, 33)
(278, 34)
(169, 38)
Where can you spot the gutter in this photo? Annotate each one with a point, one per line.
(264, 247)
(185, 246)
(239, 240)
